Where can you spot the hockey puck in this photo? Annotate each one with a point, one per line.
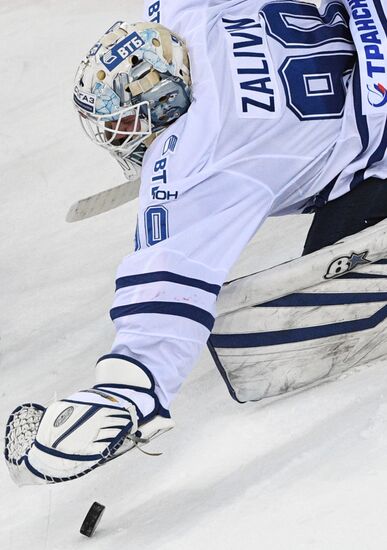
(92, 519)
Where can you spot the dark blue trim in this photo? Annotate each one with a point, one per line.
(376, 156)
(286, 69)
(154, 237)
(291, 8)
(101, 458)
(382, 16)
(123, 387)
(379, 153)
(163, 412)
(84, 418)
(123, 416)
(115, 408)
(68, 456)
(363, 276)
(188, 311)
(361, 122)
(381, 262)
(320, 199)
(327, 299)
(50, 479)
(166, 276)
(221, 370)
(140, 416)
(38, 474)
(104, 388)
(114, 427)
(130, 360)
(138, 389)
(278, 337)
(159, 409)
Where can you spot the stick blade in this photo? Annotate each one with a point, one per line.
(103, 201)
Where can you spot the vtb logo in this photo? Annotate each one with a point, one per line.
(120, 51)
(377, 95)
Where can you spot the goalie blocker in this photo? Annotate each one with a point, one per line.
(303, 321)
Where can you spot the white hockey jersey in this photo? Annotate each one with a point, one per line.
(282, 112)
(278, 95)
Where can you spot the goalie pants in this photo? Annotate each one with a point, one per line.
(362, 207)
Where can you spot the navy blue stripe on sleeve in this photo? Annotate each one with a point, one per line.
(166, 308)
(166, 276)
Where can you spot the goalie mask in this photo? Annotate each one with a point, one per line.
(131, 86)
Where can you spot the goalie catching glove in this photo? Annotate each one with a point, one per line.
(75, 435)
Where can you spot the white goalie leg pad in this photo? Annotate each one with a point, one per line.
(277, 334)
(333, 261)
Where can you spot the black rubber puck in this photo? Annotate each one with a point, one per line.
(92, 519)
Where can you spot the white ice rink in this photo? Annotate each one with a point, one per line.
(306, 472)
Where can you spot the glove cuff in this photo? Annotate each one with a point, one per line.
(127, 376)
(119, 369)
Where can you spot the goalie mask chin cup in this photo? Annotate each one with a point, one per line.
(132, 85)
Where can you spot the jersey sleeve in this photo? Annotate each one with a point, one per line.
(166, 11)
(368, 24)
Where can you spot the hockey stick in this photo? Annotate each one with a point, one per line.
(103, 201)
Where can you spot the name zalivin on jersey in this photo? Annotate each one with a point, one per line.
(253, 74)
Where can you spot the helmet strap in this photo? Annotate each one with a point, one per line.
(144, 84)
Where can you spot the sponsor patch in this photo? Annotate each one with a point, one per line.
(84, 100)
(154, 12)
(122, 50)
(170, 145)
(63, 417)
(371, 45)
(377, 95)
(163, 195)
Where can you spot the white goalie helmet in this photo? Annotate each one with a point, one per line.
(133, 84)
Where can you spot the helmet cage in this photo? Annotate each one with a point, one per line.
(113, 137)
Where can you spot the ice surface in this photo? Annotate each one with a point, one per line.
(308, 471)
